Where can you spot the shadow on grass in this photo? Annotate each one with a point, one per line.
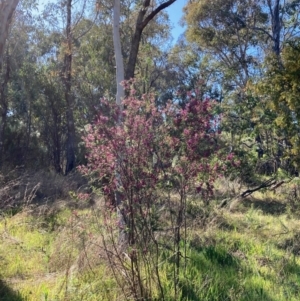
(214, 274)
(267, 206)
(291, 244)
(7, 294)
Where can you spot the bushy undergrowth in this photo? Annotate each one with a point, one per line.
(19, 187)
(157, 231)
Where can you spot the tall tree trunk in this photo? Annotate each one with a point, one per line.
(119, 97)
(4, 105)
(70, 147)
(140, 25)
(276, 28)
(7, 8)
(118, 53)
(55, 135)
(274, 10)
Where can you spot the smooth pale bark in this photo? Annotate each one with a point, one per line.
(123, 239)
(118, 52)
(7, 8)
(67, 78)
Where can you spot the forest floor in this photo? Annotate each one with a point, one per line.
(250, 251)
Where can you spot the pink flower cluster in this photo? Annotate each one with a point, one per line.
(149, 147)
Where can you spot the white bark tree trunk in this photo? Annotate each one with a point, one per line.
(123, 239)
(67, 80)
(118, 52)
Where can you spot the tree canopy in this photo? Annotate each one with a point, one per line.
(58, 63)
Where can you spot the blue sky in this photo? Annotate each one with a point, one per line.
(175, 13)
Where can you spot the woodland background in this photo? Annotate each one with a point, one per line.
(242, 54)
(57, 61)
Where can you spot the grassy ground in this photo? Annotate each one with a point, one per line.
(250, 252)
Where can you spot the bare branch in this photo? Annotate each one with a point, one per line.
(265, 184)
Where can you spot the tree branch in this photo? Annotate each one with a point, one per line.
(156, 11)
(264, 31)
(141, 23)
(265, 184)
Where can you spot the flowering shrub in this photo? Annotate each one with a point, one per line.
(153, 146)
(140, 152)
(142, 149)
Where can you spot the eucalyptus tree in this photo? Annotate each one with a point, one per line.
(18, 87)
(191, 69)
(62, 18)
(7, 8)
(241, 33)
(283, 23)
(224, 29)
(239, 36)
(67, 80)
(279, 91)
(152, 66)
(146, 12)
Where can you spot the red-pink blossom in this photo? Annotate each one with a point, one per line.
(152, 147)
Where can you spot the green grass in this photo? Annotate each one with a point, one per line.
(246, 255)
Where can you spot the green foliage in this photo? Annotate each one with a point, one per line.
(224, 29)
(249, 255)
(33, 100)
(237, 36)
(279, 91)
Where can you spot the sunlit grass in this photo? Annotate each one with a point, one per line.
(243, 255)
